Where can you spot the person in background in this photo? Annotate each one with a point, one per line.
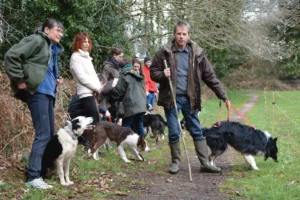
(32, 66)
(76, 108)
(130, 90)
(150, 85)
(111, 68)
(137, 66)
(111, 71)
(88, 86)
(188, 66)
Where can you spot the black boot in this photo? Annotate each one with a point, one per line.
(201, 150)
(175, 153)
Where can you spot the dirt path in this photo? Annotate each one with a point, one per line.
(204, 185)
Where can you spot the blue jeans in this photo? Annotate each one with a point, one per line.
(150, 98)
(192, 120)
(42, 114)
(136, 121)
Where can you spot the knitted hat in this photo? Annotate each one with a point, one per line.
(146, 59)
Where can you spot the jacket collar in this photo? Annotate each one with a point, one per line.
(46, 37)
(170, 47)
(128, 69)
(84, 54)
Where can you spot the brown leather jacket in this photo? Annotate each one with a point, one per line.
(200, 69)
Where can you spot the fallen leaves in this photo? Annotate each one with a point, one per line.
(119, 193)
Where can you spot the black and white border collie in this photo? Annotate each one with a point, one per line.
(105, 132)
(246, 140)
(61, 149)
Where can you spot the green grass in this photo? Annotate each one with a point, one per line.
(210, 112)
(274, 180)
(104, 178)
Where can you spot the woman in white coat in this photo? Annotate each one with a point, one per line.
(83, 70)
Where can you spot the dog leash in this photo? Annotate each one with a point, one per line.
(243, 117)
(220, 114)
(228, 115)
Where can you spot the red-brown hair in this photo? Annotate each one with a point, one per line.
(79, 40)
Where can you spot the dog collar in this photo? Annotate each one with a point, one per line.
(72, 135)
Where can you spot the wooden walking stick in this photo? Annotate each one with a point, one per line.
(182, 137)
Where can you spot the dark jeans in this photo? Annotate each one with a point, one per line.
(136, 121)
(42, 114)
(192, 120)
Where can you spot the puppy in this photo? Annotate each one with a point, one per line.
(61, 149)
(246, 140)
(157, 125)
(124, 137)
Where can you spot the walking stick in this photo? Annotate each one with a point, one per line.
(182, 137)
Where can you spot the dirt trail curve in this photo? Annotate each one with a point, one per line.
(204, 185)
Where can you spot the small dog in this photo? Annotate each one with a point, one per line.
(107, 131)
(61, 149)
(157, 125)
(244, 139)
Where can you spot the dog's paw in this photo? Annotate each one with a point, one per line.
(95, 156)
(127, 161)
(70, 183)
(140, 159)
(64, 183)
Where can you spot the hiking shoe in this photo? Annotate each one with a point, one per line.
(38, 183)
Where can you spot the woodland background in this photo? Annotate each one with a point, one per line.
(234, 33)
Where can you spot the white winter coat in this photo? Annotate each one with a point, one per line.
(84, 73)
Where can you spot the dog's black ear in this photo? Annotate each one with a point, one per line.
(75, 124)
(275, 140)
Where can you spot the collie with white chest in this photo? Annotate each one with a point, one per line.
(246, 140)
(105, 132)
(61, 149)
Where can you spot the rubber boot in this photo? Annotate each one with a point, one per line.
(175, 153)
(201, 150)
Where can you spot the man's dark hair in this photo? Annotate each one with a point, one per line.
(182, 23)
(51, 23)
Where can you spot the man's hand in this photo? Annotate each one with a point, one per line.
(60, 80)
(228, 104)
(167, 72)
(22, 86)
